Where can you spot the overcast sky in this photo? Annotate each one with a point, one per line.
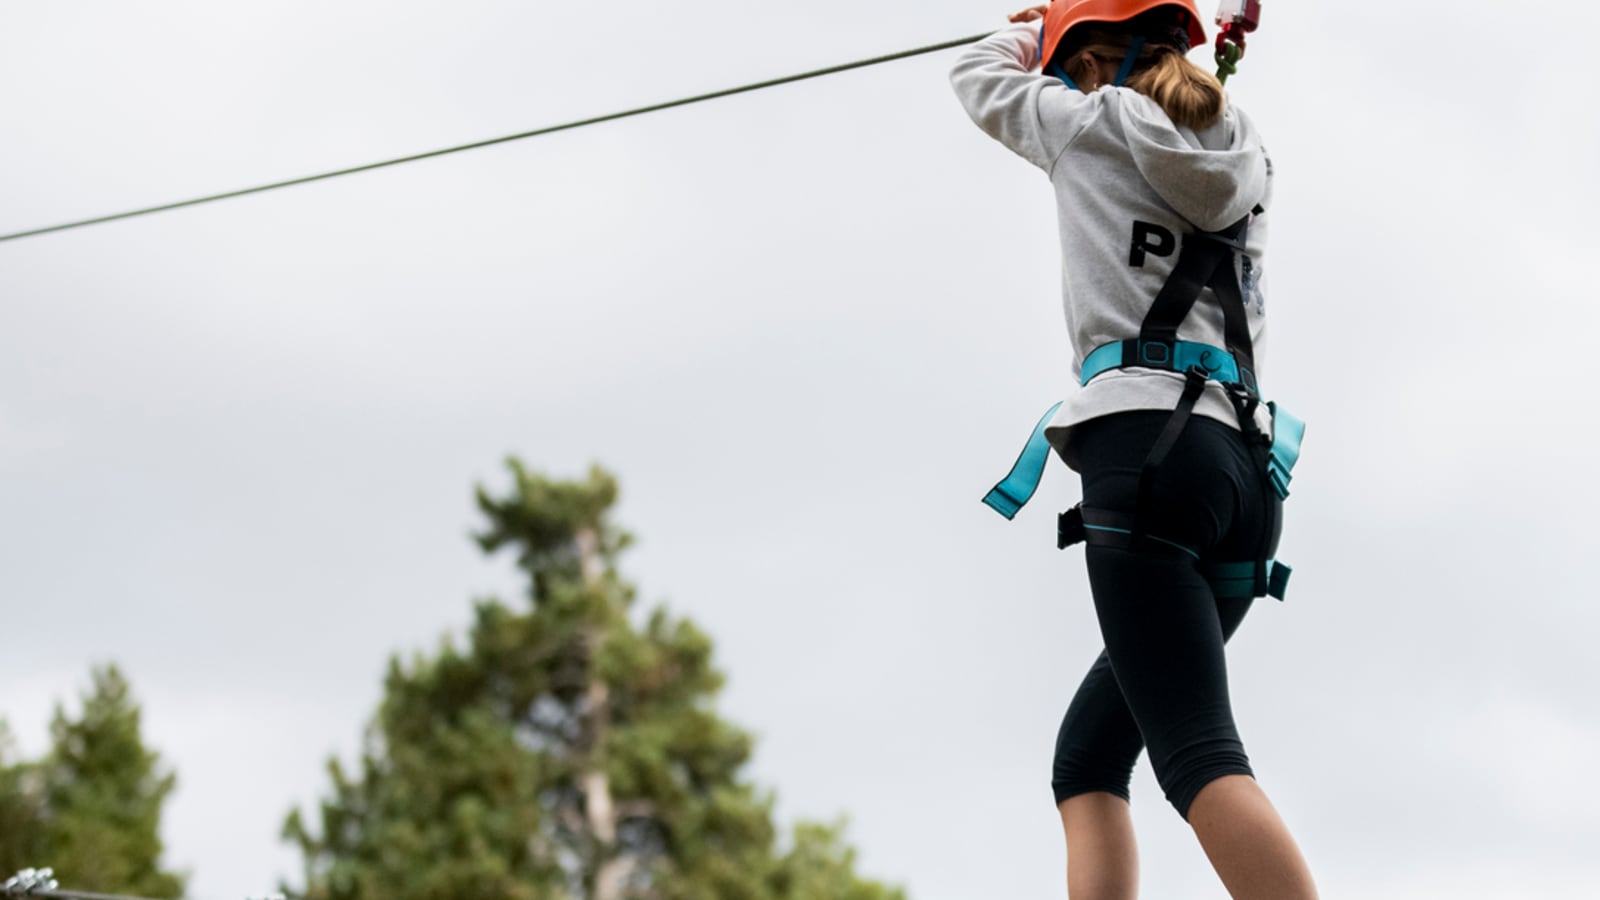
(808, 328)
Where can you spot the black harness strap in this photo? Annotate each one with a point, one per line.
(1194, 385)
(1205, 261)
(1110, 528)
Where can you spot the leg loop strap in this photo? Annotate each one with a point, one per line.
(1251, 578)
(1107, 528)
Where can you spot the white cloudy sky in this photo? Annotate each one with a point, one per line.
(808, 328)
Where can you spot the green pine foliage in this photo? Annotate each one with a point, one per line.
(91, 809)
(561, 752)
(21, 811)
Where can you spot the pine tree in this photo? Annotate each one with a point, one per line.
(563, 753)
(91, 809)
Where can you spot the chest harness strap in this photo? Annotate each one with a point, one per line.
(1205, 261)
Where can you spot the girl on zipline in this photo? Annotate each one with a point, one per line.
(1161, 187)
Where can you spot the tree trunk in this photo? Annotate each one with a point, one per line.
(610, 868)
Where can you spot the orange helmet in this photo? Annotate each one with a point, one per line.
(1064, 14)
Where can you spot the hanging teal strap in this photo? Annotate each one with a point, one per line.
(1287, 433)
(1014, 492)
(1237, 580)
(1179, 356)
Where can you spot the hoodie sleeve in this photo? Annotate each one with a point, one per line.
(1036, 116)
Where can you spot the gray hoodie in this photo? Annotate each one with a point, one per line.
(1123, 172)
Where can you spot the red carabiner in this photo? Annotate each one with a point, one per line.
(1235, 19)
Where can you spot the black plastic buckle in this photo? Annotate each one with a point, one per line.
(1069, 529)
(1156, 354)
(1278, 581)
(1242, 391)
(1245, 403)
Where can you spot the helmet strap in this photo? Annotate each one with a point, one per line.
(1128, 61)
(1051, 67)
(1126, 69)
(1055, 69)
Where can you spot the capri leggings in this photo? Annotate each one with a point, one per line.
(1162, 679)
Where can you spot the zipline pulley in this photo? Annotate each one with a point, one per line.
(1235, 18)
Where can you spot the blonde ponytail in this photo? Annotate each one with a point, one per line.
(1190, 96)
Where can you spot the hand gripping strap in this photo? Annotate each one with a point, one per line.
(1016, 489)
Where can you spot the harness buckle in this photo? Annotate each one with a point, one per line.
(1245, 402)
(1157, 354)
(1070, 528)
(1243, 395)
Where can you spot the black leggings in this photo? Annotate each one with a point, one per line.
(1162, 679)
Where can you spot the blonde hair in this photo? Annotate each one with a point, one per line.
(1190, 96)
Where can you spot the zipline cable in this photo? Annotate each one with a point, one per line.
(568, 126)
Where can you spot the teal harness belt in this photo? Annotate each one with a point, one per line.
(1179, 356)
(1018, 487)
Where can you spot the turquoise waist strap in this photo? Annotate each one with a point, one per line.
(1016, 489)
(1179, 356)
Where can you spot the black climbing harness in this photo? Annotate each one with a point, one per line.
(1206, 260)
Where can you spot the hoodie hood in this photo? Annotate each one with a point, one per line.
(1213, 178)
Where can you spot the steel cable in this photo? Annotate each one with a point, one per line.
(552, 129)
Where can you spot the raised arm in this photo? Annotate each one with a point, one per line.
(999, 83)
